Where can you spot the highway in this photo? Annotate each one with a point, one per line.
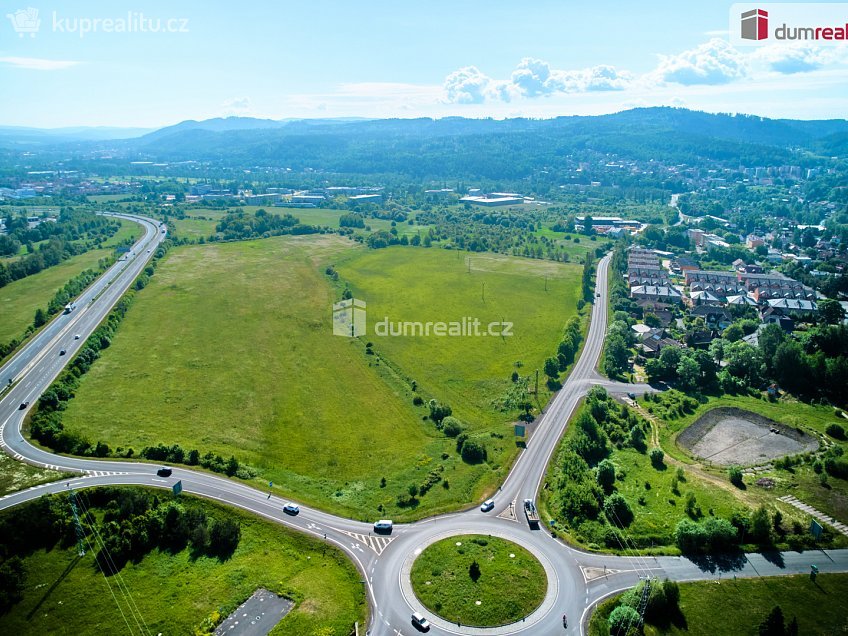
(576, 579)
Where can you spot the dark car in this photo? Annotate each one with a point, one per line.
(164, 472)
(23, 405)
(291, 509)
(62, 352)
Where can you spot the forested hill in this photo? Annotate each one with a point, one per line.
(499, 148)
(488, 148)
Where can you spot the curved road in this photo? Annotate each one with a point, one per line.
(576, 580)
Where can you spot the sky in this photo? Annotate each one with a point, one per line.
(430, 58)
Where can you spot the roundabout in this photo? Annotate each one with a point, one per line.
(512, 588)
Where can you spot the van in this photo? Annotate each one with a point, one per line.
(383, 525)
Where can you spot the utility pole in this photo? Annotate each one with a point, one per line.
(484, 292)
(546, 283)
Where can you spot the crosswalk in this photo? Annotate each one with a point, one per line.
(376, 543)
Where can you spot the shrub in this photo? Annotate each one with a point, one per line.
(835, 431)
(735, 474)
(621, 619)
(606, 475)
(451, 426)
(657, 458)
(618, 510)
(473, 452)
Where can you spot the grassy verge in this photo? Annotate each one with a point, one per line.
(175, 592)
(234, 342)
(739, 606)
(508, 584)
(15, 475)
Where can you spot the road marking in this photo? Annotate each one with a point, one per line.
(378, 544)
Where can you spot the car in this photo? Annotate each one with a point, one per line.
(632, 396)
(62, 352)
(164, 471)
(487, 505)
(420, 623)
(23, 406)
(383, 526)
(77, 337)
(291, 509)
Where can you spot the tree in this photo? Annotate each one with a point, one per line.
(439, 412)
(412, 490)
(830, 311)
(552, 368)
(606, 475)
(615, 356)
(474, 571)
(688, 374)
(637, 439)
(652, 320)
(691, 505)
(11, 582)
(733, 333)
(622, 619)
(618, 510)
(232, 466)
(224, 538)
(40, 318)
(745, 362)
(761, 526)
(768, 340)
(657, 457)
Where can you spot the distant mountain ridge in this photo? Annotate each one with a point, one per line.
(474, 148)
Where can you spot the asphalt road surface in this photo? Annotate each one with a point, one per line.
(576, 580)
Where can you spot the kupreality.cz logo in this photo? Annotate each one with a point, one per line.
(820, 24)
(28, 22)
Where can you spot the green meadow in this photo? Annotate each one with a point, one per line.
(229, 349)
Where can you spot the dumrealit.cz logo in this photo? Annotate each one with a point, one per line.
(349, 318)
(823, 24)
(755, 25)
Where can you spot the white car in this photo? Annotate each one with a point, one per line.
(487, 505)
(420, 622)
(291, 509)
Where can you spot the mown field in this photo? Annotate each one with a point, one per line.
(176, 592)
(736, 607)
(229, 349)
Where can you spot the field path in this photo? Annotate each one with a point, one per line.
(696, 468)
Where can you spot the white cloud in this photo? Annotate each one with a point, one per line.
(37, 64)
(794, 58)
(714, 62)
(532, 78)
(468, 85)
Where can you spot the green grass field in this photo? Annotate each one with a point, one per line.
(229, 349)
(20, 299)
(511, 582)
(175, 593)
(738, 607)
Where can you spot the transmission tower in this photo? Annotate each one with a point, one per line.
(77, 524)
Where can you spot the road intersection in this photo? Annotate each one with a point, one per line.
(576, 579)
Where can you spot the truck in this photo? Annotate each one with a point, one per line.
(70, 307)
(531, 513)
